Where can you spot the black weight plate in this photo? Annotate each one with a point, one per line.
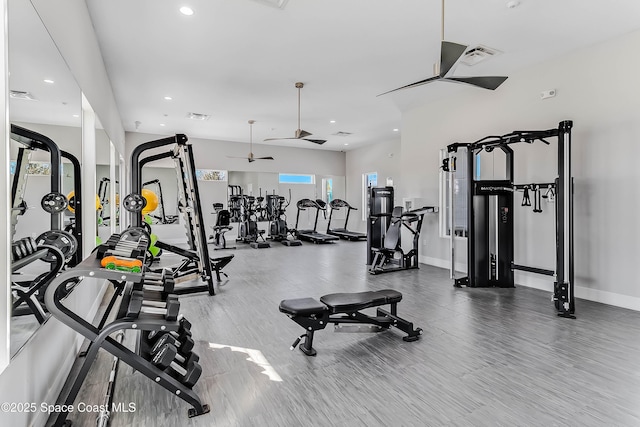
(31, 244)
(16, 251)
(23, 247)
(54, 202)
(135, 233)
(134, 202)
(61, 240)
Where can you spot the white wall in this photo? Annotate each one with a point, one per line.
(212, 154)
(597, 89)
(383, 158)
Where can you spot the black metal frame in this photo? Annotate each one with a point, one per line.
(384, 261)
(480, 272)
(100, 336)
(197, 261)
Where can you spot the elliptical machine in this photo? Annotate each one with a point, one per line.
(277, 214)
(248, 231)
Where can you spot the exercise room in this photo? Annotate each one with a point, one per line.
(320, 213)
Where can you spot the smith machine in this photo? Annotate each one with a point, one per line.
(490, 205)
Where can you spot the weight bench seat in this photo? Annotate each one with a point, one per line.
(338, 308)
(350, 302)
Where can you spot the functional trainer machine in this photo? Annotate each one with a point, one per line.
(311, 235)
(343, 233)
(346, 308)
(196, 262)
(490, 216)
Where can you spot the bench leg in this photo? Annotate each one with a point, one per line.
(307, 346)
(402, 324)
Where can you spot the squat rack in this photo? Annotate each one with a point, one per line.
(501, 266)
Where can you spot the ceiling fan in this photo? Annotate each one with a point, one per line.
(300, 134)
(251, 157)
(450, 54)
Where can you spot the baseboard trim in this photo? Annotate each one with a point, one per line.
(546, 284)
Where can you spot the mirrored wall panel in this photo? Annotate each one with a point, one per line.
(44, 110)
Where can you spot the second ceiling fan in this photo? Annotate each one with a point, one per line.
(450, 54)
(251, 158)
(300, 134)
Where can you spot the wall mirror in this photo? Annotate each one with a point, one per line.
(45, 99)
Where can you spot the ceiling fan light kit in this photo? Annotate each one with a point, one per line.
(450, 55)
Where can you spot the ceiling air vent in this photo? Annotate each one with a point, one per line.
(198, 116)
(341, 133)
(19, 94)
(477, 54)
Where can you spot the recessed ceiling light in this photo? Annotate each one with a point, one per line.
(161, 124)
(168, 98)
(346, 143)
(332, 121)
(186, 10)
(395, 130)
(76, 115)
(49, 81)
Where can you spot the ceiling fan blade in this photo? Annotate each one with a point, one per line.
(485, 82)
(420, 83)
(315, 141)
(263, 158)
(450, 53)
(235, 157)
(278, 139)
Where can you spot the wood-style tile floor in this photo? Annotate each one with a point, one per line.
(488, 357)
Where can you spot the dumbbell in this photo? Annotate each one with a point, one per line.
(175, 355)
(184, 344)
(137, 306)
(183, 331)
(166, 358)
(170, 299)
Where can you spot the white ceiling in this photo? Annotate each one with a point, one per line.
(239, 59)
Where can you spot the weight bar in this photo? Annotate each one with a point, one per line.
(136, 307)
(189, 375)
(184, 343)
(183, 331)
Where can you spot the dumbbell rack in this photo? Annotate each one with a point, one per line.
(100, 337)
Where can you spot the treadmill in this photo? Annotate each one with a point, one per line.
(343, 233)
(311, 235)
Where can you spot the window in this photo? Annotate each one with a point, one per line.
(292, 178)
(461, 185)
(368, 180)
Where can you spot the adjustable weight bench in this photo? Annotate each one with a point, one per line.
(339, 308)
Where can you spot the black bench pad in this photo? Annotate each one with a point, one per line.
(350, 302)
(302, 307)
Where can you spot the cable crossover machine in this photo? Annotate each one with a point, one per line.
(490, 248)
